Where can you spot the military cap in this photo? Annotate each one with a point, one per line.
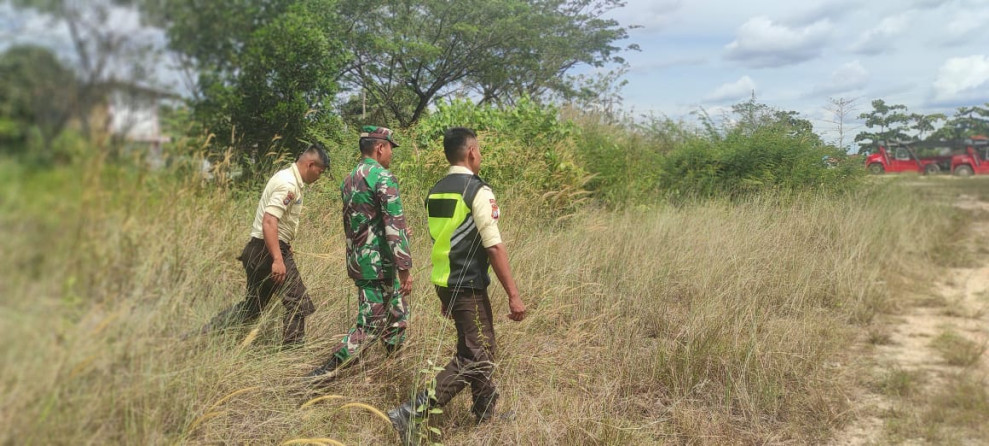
(374, 132)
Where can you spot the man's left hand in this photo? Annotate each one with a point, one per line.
(405, 280)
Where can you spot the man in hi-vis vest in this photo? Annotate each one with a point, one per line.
(463, 223)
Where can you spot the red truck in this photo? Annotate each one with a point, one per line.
(903, 159)
(975, 160)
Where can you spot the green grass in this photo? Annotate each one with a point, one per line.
(900, 383)
(958, 350)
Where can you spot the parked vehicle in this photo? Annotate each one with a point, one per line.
(903, 158)
(975, 160)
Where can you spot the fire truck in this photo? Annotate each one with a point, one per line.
(898, 156)
(975, 159)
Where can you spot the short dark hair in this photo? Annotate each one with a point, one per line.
(367, 145)
(317, 150)
(455, 143)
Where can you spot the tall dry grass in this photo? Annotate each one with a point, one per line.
(712, 323)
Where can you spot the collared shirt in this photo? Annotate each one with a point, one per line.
(484, 209)
(282, 198)
(374, 223)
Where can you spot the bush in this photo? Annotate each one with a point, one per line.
(770, 158)
(527, 149)
(624, 157)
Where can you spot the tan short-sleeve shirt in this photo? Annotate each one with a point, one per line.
(282, 198)
(485, 211)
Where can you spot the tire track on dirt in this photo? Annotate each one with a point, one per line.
(906, 348)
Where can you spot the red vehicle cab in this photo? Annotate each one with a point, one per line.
(975, 160)
(902, 159)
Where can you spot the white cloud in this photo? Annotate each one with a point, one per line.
(965, 25)
(651, 15)
(848, 77)
(882, 37)
(831, 11)
(760, 43)
(731, 91)
(963, 78)
(662, 64)
(929, 4)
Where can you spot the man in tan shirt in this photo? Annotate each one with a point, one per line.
(268, 259)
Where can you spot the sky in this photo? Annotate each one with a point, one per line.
(930, 55)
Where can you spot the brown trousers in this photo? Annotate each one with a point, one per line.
(260, 289)
(474, 362)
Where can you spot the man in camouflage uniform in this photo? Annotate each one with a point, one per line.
(378, 257)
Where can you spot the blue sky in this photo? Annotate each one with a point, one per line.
(930, 55)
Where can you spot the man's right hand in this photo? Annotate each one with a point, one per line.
(517, 308)
(405, 281)
(278, 271)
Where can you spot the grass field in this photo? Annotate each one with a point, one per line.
(709, 323)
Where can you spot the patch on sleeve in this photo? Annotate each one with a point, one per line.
(288, 199)
(495, 213)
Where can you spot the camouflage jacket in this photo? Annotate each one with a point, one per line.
(373, 222)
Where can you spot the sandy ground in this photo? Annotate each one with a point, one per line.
(960, 304)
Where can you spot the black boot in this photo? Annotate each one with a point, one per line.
(403, 418)
(391, 349)
(329, 366)
(294, 331)
(484, 407)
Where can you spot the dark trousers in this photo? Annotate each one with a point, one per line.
(474, 361)
(260, 288)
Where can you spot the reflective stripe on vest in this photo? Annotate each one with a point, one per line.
(447, 212)
(459, 260)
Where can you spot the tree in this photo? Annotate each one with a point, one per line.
(750, 117)
(925, 123)
(891, 122)
(501, 49)
(36, 92)
(840, 109)
(104, 53)
(966, 122)
(562, 34)
(267, 70)
(599, 93)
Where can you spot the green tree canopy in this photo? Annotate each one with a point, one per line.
(36, 92)
(966, 122)
(266, 70)
(751, 116)
(422, 50)
(889, 121)
(925, 124)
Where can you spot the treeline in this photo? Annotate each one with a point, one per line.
(890, 122)
(267, 77)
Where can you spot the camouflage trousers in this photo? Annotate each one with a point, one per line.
(382, 312)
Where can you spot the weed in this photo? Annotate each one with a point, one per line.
(956, 349)
(900, 383)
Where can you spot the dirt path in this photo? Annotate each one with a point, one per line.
(915, 369)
